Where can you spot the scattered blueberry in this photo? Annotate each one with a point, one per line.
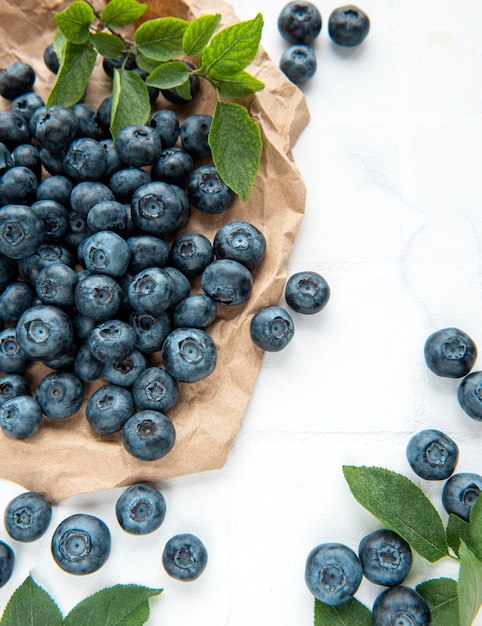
(227, 282)
(348, 26)
(400, 605)
(7, 562)
(450, 352)
(125, 372)
(20, 417)
(307, 292)
(469, 395)
(184, 557)
(242, 242)
(140, 509)
(16, 79)
(386, 558)
(148, 435)
(109, 408)
(12, 385)
(21, 230)
(45, 332)
(460, 493)
(27, 516)
(298, 63)
(138, 145)
(271, 328)
(299, 22)
(111, 341)
(196, 311)
(432, 455)
(189, 354)
(207, 192)
(59, 394)
(155, 389)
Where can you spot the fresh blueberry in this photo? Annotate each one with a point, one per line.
(18, 186)
(386, 558)
(155, 389)
(189, 354)
(432, 455)
(181, 287)
(27, 516)
(194, 132)
(184, 557)
(151, 291)
(57, 188)
(460, 493)
(138, 145)
(400, 605)
(13, 360)
(44, 332)
(82, 325)
(109, 65)
(81, 544)
(207, 191)
(196, 311)
(469, 395)
(56, 128)
(85, 160)
(348, 26)
(271, 328)
(298, 63)
(108, 215)
(307, 292)
(111, 341)
(140, 509)
(55, 218)
(125, 372)
(148, 435)
(53, 161)
(55, 285)
(86, 367)
(65, 361)
(333, 573)
(113, 162)
(16, 79)
(11, 386)
(86, 122)
(7, 562)
(8, 271)
(125, 181)
(87, 193)
(227, 282)
(242, 242)
(173, 166)
(14, 130)
(299, 22)
(147, 251)
(50, 59)
(6, 159)
(21, 230)
(103, 115)
(28, 155)
(106, 252)
(450, 352)
(191, 253)
(166, 124)
(46, 254)
(98, 296)
(20, 417)
(59, 394)
(14, 300)
(109, 408)
(173, 95)
(26, 104)
(157, 208)
(151, 331)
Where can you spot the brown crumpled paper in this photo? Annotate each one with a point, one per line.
(66, 457)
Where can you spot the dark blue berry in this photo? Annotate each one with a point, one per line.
(147, 251)
(386, 558)
(194, 132)
(50, 59)
(6, 159)
(18, 186)
(298, 63)
(469, 395)
(14, 300)
(151, 331)
(184, 557)
(86, 367)
(432, 455)
(189, 354)
(27, 516)
(12, 385)
(55, 285)
(20, 417)
(196, 311)
(7, 563)
(450, 352)
(111, 341)
(140, 509)
(191, 253)
(57, 188)
(98, 296)
(56, 128)
(157, 207)
(124, 182)
(242, 242)
(45, 332)
(208, 192)
(155, 389)
(86, 122)
(300, 22)
(59, 394)
(348, 26)
(109, 408)
(28, 155)
(400, 605)
(108, 215)
(87, 193)
(138, 145)
(106, 252)
(151, 291)
(166, 124)
(14, 130)
(173, 166)
(85, 160)
(460, 493)
(13, 360)
(227, 282)
(26, 104)
(307, 292)
(16, 79)
(55, 218)
(148, 435)
(271, 328)
(21, 230)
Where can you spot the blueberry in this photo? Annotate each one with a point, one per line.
(196, 311)
(307, 292)
(207, 191)
(108, 215)
(194, 133)
(55, 218)
(386, 558)
(81, 544)
(111, 341)
(46, 254)
(227, 282)
(106, 252)
(151, 331)
(53, 160)
(26, 104)
(242, 242)
(147, 251)
(28, 155)
(11, 386)
(189, 354)
(98, 296)
(126, 61)
(86, 122)
(181, 287)
(166, 124)
(13, 360)
(50, 59)
(56, 128)
(271, 328)
(173, 95)
(125, 372)
(27, 516)
(469, 395)
(138, 145)
(155, 389)
(300, 22)
(21, 230)
(157, 208)
(18, 186)
(87, 193)
(85, 159)
(150, 291)
(57, 188)
(173, 166)
(460, 493)
(60, 395)
(432, 455)
(55, 285)
(16, 79)
(148, 435)
(44, 332)
(298, 63)
(8, 271)
(14, 300)
(6, 159)
(109, 408)
(191, 253)
(184, 557)
(450, 352)
(400, 605)
(140, 509)
(65, 361)
(14, 130)
(113, 162)
(86, 367)
(7, 562)
(348, 26)
(103, 115)
(333, 573)
(124, 182)
(20, 417)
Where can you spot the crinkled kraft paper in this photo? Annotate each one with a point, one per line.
(66, 457)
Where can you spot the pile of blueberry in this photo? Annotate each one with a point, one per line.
(81, 543)
(299, 23)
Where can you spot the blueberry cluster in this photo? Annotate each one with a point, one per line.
(81, 543)
(299, 23)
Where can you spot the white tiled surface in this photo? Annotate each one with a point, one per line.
(392, 164)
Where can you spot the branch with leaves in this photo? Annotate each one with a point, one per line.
(166, 48)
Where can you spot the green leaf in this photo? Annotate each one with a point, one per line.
(59, 41)
(75, 20)
(238, 85)
(232, 49)
(441, 596)
(32, 605)
(120, 605)
(184, 90)
(236, 147)
(108, 45)
(167, 75)
(401, 506)
(161, 39)
(475, 528)
(457, 530)
(146, 64)
(119, 13)
(350, 614)
(130, 101)
(470, 585)
(198, 34)
(73, 75)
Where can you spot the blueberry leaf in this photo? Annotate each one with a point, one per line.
(167, 75)
(401, 506)
(238, 85)
(146, 64)
(119, 13)
(198, 34)
(75, 20)
(232, 49)
(475, 528)
(161, 39)
(108, 45)
(30, 604)
(59, 43)
(120, 605)
(441, 596)
(353, 612)
(73, 75)
(130, 101)
(469, 585)
(237, 160)
(458, 530)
